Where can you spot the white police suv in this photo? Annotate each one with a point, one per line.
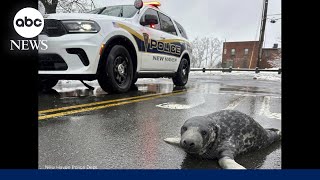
(115, 45)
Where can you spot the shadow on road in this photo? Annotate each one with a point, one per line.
(251, 160)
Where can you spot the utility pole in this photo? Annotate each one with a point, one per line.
(262, 29)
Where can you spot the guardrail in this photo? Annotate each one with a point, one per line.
(256, 70)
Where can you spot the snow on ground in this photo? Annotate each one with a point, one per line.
(95, 82)
(269, 76)
(73, 82)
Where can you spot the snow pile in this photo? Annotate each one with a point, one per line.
(91, 83)
(270, 76)
(155, 80)
(72, 83)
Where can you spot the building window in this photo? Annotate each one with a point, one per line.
(246, 51)
(233, 52)
(225, 51)
(229, 64)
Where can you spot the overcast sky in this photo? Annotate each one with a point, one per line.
(231, 20)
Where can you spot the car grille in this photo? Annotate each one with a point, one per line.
(53, 28)
(52, 62)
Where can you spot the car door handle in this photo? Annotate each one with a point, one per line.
(162, 37)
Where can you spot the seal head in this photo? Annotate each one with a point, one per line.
(197, 134)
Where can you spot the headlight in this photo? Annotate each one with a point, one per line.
(81, 26)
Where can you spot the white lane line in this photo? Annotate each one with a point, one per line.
(172, 105)
(205, 91)
(234, 103)
(190, 102)
(265, 109)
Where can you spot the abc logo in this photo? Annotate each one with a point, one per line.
(28, 22)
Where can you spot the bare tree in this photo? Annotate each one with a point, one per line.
(198, 52)
(50, 5)
(67, 6)
(206, 52)
(214, 53)
(218, 65)
(75, 6)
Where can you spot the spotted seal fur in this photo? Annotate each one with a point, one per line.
(223, 135)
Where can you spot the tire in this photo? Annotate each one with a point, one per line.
(182, 75)
(47, 84)
(117, 71)
(135, 79)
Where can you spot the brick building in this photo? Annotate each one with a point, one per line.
(269, 54)
(244, 54)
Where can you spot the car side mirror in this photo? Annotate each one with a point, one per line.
(149, 19)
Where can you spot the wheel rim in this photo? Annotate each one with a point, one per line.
(185, 69)
(120, 70)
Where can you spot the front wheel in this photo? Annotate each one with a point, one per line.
(182, 75)
(135, 79)
(117, 73)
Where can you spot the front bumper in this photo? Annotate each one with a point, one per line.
(62, 55)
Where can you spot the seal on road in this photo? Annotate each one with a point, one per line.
(223, 135)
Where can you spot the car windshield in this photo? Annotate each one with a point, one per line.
(126, 11)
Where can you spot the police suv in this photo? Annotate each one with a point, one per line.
(115, 45)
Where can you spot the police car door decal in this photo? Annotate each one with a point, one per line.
(152, 57)
(157, 53)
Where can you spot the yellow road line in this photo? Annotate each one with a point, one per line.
(100, 102)
(106, 106)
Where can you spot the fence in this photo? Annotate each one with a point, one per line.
(257, 70)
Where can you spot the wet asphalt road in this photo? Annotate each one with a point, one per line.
(129, 134)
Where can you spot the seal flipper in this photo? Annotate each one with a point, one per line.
(226, 159)
(229, 163)
(173, 141)
(274, 135)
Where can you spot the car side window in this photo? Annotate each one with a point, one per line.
(151, 12)
(181, 30)
(166, 24)
(129, 11)
(112, 11)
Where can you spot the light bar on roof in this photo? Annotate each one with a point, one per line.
(152, 3)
